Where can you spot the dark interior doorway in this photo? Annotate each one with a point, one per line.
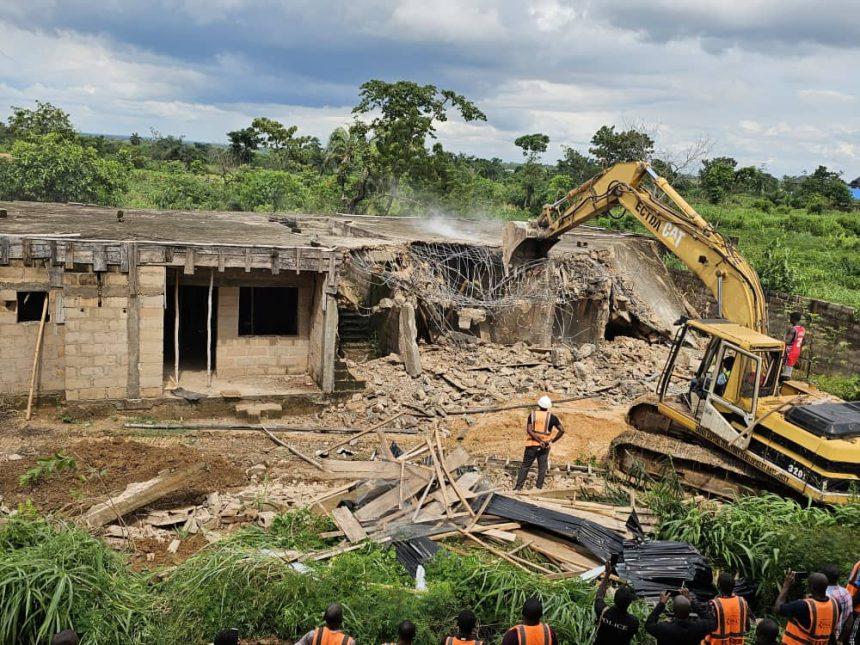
(192, 326)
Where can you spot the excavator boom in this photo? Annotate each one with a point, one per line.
(713, 258)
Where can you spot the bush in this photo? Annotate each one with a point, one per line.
(816, 204)
(762, 205)
(265, 190)
(850, 223)
(759, 537)
(777, 270)
(845, 387)
(184, 191)
(56, 578)
(50, 168)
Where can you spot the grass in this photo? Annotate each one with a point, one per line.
(760, 537)
(54, 576)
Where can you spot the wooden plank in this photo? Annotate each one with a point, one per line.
(387, 502)
(4, 250)
(37, 355)
(436, 505)
(276, 262)
(347, 523)
(357, 435)
(441, 477)
(69, 255)
(361, 469)
(564, 552)
(447, 472)
(220, 260)
(247, 260)
(137, 495)
(300, 455)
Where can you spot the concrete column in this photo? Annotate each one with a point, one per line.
(328, 355)
(407, 340)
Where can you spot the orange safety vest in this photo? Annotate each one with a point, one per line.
(854, 583)
(730, 615)
(453, 640)
(539, 422)
(325, 636)
(823, 621)
(533, 634)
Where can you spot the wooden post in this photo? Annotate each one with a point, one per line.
(176, 331)
(37, 355)
(209, 330)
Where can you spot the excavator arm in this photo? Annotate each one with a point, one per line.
(684, 232)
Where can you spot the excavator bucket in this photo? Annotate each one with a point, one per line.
(523, 241)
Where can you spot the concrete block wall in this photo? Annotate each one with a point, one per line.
(832, 344)
(262, 355)
(96, 311)
(18, 340)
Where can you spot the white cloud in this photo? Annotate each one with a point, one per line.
(824, 96)
(445, 21)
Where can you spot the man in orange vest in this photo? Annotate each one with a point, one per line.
(813, 620)
(731, 614)
(539, 436)
(466, 621)
(531, 631)
(331, 634)
(853, 584)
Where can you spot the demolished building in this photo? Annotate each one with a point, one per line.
(138, 302)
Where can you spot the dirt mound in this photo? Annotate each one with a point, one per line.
(102, 467)
(590, 426)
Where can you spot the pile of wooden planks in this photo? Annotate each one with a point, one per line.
(432, 494)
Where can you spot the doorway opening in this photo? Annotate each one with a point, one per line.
(193, 305)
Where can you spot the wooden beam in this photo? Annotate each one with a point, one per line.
(300, 455)
(137, 495)
(37, 355)
(347, 523)
(360, 434)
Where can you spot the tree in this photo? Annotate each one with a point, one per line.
(348, 154)
(755, 181)
(532, 145)
(577, 166)
(827, 184)
(243, 142)
(717, 177)
(53, 169)
(407, 114)
(26, 123)
(135, 139)
(611, 147)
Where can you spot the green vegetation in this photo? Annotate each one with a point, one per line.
(56, 576)
(46, 467)
(761, 537)
(799, 232)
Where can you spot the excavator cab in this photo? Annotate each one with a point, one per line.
(736, 401)
(739, 368)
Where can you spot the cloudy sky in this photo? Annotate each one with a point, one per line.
(773, 82)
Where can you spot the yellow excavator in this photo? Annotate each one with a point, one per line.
(735, 425)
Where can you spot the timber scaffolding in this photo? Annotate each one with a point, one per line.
(225, 305)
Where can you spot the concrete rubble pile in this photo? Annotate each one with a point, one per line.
(459, 377)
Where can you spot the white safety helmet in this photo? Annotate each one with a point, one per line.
(545, 403)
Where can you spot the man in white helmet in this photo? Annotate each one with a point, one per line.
(539, 436)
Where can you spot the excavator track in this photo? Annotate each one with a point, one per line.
(657, 448)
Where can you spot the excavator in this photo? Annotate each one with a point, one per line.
(734, 426)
